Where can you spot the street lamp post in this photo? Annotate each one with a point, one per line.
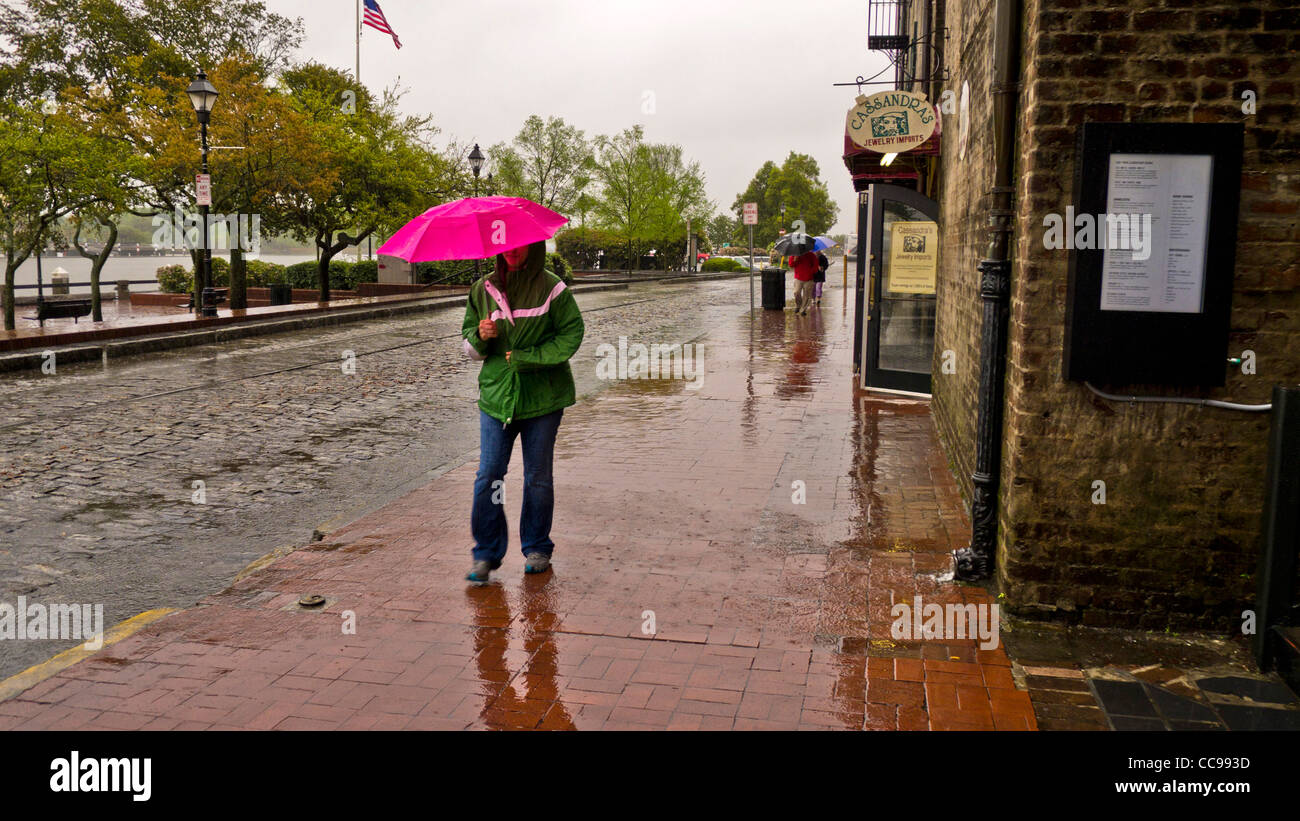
(202, 96)
(476, 165)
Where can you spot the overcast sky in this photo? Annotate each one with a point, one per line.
(732, 82)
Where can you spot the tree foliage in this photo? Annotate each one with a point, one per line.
(797, 185)
(548, 162)
(647, 192)
(375, 165)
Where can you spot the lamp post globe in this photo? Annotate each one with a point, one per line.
(476, 161)
(202, 95)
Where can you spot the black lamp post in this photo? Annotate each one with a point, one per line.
(202, 97)
(476, 165)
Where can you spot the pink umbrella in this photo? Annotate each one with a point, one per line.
(473, 228)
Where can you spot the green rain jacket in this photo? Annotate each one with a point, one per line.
(538, 321)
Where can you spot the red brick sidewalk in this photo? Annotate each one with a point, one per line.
(675, 511)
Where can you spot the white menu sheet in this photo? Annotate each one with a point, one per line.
(1165, 272)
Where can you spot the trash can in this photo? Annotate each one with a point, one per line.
(123, 290)
(59, 279)
(281, 294)
(774, 289)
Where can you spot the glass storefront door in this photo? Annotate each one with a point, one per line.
(901, 270)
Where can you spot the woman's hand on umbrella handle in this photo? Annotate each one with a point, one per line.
(487, 329)
(508, 355)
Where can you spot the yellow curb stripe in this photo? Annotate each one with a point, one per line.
(34, 675)
(264, 560)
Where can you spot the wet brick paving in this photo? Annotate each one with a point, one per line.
(98, 464)
(692, 587)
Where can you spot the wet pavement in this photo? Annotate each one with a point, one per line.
(727, 557)
(99, 462)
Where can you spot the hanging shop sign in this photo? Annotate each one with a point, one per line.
(913, 257)
(891, 122)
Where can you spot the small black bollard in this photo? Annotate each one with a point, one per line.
(1276, 579)
(209, 301)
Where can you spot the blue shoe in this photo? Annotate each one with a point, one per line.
(479, 571)
(537, 563)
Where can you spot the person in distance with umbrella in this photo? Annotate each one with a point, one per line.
(805, 267)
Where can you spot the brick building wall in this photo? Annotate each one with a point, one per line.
(1177, 541)
(966, 166)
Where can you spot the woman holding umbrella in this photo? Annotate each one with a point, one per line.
(523, 324)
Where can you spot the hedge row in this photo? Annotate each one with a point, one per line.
(716, 264)
(584, 247)
(344, 276)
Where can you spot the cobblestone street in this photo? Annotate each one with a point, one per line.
(99, 465)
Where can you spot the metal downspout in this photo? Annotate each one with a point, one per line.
(976, 561)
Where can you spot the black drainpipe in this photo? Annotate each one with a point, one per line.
(976, 561)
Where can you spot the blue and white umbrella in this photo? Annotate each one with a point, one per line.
(792, 245)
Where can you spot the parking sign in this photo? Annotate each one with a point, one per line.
(751, 213)
(203, 189)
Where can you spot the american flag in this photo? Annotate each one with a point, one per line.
(374, 17)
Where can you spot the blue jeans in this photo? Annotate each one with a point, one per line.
(488, 520)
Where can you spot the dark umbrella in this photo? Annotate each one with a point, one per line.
(792, 245)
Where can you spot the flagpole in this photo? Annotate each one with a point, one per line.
(358, 81)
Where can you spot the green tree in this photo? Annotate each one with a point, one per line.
(548, 162)
(112, 182)
(676, 190)
(795, 184)
(206, 32)
(47, 170)
(249, 182)
(723, 229)
(128, 64)
(21, 200)
(624, 203)
(54, 44)
(372, 165)
(647, 192)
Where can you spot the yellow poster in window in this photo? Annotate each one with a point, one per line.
(913, 257)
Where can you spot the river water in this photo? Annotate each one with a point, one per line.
(121, 267)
